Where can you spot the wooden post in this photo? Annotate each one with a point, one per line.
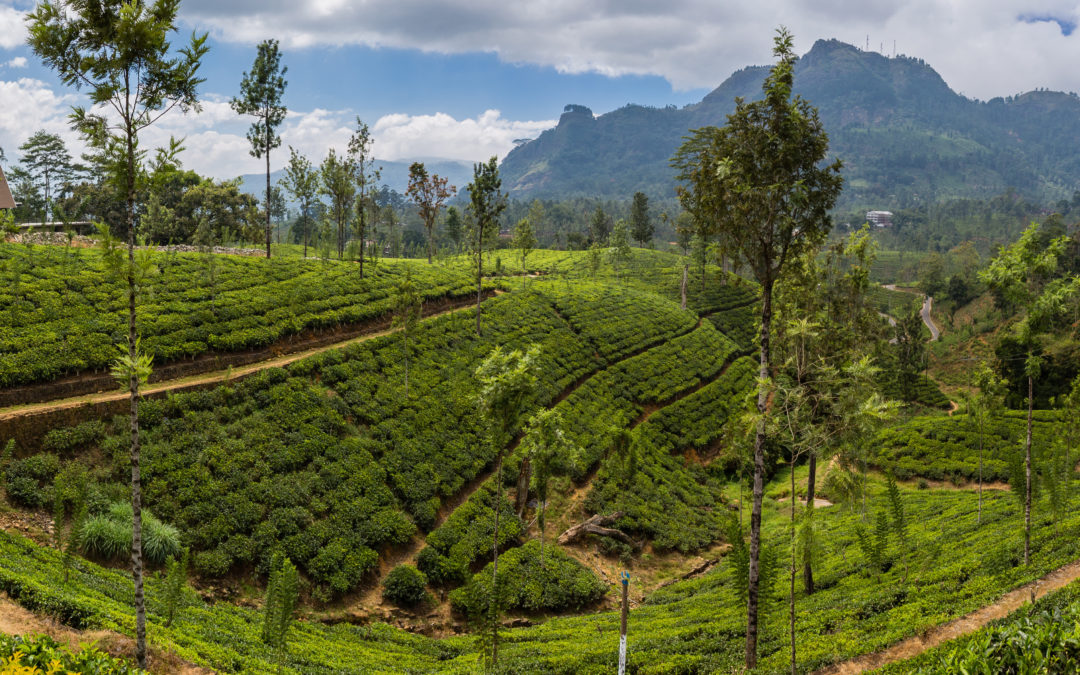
(625, 577)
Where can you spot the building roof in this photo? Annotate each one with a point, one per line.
(6, 201)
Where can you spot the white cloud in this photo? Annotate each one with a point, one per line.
(216, 143)
(17, 62)
(12, 26)
(440, 135)
(982, 47)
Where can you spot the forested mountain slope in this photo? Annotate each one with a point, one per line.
(904, 135)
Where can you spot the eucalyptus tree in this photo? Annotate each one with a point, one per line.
(487, 201)
(261, 91)
(46, 159)
(366, 178)
(762, 179)
(120, 53)
(507, 380)
(984, 405)
(301, 180)
(1025, 274)
(428, 191)
(336, 181)
(548, 451)
(641, 227)
(524, 241)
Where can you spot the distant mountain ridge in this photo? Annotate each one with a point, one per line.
(904, 135)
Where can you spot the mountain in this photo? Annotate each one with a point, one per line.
(904, 135)
(395, 174)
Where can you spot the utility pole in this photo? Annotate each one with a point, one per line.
(625, 578)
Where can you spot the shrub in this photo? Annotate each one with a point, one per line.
(40, 654)
(108, 536)
(561, 583)
(29, 481)
(405, 586)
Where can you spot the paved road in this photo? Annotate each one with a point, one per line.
(927, 307)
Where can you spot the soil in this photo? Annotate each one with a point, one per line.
(951, 630)
(16, 620)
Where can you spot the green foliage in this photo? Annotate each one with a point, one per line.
(108, 536)
(560, 583)
(405, 586)
(40, 654)
(279, 607)
(947, 448)
(176, 575)
(61, 321)
(28, 481)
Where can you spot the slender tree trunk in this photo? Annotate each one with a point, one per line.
(791, 575)
(307, 227)
(808, 571)
(759, 478)
(45, 211)
(406, 329)
(982, 415)
(521, 496)
(479, 271)
(494, 606)
(267, 190)
(682, 287)
(430, 241)
(133, 386)
(1027, 475)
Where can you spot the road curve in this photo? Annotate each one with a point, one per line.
(927, 306)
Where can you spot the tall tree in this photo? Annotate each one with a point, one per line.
(599, 227)
(428, 192)
(120, 52)
(486, 204)
(366, 177)
(1026, 275)
(548, 451)
(507, 380)
(985, 404)
(301, 180)
(524, 241)
(336, 181)
(641, 227)
(453, 227)
(762, 177)
(45, 158)
(261, 91)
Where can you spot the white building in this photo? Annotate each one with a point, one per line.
(879, 218)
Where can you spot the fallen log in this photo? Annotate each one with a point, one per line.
(595, 525)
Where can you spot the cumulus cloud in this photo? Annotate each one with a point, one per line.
(982, 47)
(440, 135)
(216, 143)
(17, 62)
(12, 26)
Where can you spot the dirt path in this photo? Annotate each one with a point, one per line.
(218, 376)
(17, 620)
(951, 630)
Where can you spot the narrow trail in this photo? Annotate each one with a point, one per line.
(969, 623)
(215, 377)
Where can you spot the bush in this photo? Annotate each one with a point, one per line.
(40, 654)
(107, 536)
(561, 583)
(29, 481)
(405, 586)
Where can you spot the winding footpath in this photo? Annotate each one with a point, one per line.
(951, 630)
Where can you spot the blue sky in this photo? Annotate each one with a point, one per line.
(461, 79)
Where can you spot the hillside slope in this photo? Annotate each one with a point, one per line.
(903, 134)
